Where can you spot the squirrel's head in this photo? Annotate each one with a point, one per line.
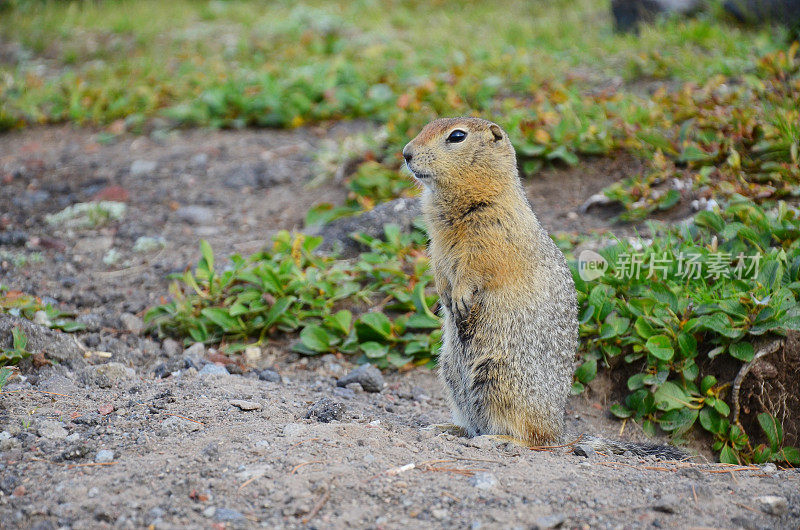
(462, 153)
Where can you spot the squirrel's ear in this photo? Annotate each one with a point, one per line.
(497, 132)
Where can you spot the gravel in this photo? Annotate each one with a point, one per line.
(369, 377)
(325, 410)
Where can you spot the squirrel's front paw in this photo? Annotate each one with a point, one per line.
(461, 303)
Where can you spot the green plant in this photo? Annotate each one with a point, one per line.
(689, 303)
(20, 304)
(291, 289)
(5, 375)
(17, 352)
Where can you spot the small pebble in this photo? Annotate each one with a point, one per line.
(246, 405)
(269, 375)
(772, 504)
(483, 480)
(104, 456)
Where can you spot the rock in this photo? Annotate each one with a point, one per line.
(628, 14)
(483, 480)
(107, 374)
(583, 450)
(40, 317)
(74, 452)
(171, 348)
(325, 410)
(786, 12)
(52, 430)
(93, 245)
(772, 504)
(366, 375)
(195, 215)
(439, 513)
(140, 168)
(419, 394)
(161, 371)
(252, 354)
(175, 424)
(667, 504)
(336, 234)
(702, 492)
(132, 323)
(8, 483)
(345, 393)
(104, 456)
(269, 375)
(196, 349)
(200, 160)
(59, 346)
(549, 521)
(213, 370)
(246, 405)
(30, 198)
(248, 175)
(149, 244)
(209, 512)
(228, 515)
(13, 238)
(234, 369)
(355, 387)
(92, 321)
(769, 468)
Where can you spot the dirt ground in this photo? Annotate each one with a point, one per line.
(155, 435)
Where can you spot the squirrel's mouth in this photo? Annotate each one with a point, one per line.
(421, 176)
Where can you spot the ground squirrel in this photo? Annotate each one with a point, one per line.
(510, 328)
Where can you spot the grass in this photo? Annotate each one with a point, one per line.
(284, 64)
(711, 108)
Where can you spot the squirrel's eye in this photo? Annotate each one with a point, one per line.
(456, 136)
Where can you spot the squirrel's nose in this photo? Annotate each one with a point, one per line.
(407, 154)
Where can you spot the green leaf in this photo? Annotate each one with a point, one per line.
(687, 345)
(374, 326)
(342, 320)
(643, 328)
(586, 371)
(711, 421)
(397, 360)
(277, 310)
(660, 346)
(19, 339)
(772, 429)
(374, 350)
(707, 383)
(743, 351)
(419, 321)
(315, 338)
(221, 318)
(679, 420)
(5, 373)
(720, 323)
(789, 454)
(728, 455)
(577, 388)
(722, 407)
(621, 411)
(670, 396)
(636, 381)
